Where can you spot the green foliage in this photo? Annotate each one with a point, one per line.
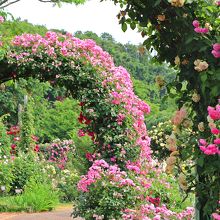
(170, 193)
(59, 121)
(105, 200)
(26, 141)
(67, 184)
(4, 138)
(6, 175)
(24, 167)
(37, 197)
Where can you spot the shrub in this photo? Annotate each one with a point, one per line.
(107, 192)
(23, 168)
(37, 197)
(6, 175)
(57, 152)
(67, 185)
(17, 171)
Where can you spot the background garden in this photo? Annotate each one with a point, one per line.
(72, 127)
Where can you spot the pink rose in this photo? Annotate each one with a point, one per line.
(203, 142)
(201, 30)
(216, 216)
(216, 46)
(81, 133)
(214, 113)
(1, 19)
(216, 54)
(217, 141)
(197, 30)
(215, 131)
(195, 23)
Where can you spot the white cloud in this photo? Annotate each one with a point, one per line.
(93, 16)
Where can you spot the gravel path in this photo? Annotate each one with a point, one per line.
(59, 214)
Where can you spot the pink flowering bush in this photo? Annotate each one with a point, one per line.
(57, 152)
(124, 195)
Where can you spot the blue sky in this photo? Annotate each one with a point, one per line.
(93, 16)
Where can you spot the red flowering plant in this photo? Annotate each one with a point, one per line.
(14, 132)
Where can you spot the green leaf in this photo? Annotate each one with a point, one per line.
(133, 25)
(157, 3)
(203, 77)
(124, 27)
(200, 161)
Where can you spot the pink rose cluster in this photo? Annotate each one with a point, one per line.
(57, 152)
(213, 148)
(121, 95)
(216, 50)
(152, 212)
(101, 169)
(210, 149)
(214, 113)
(199, 29)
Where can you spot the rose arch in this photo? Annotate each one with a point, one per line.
(111, 114)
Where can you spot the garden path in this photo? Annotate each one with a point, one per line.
(62, 213)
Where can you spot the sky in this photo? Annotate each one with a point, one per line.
(93, 16)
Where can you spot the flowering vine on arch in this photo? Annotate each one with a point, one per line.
(111, 114)
(109, 106)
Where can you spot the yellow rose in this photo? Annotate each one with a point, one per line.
(201, 126)
(177, 3)
(196, 97)
(200, 65)
(177, 60)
